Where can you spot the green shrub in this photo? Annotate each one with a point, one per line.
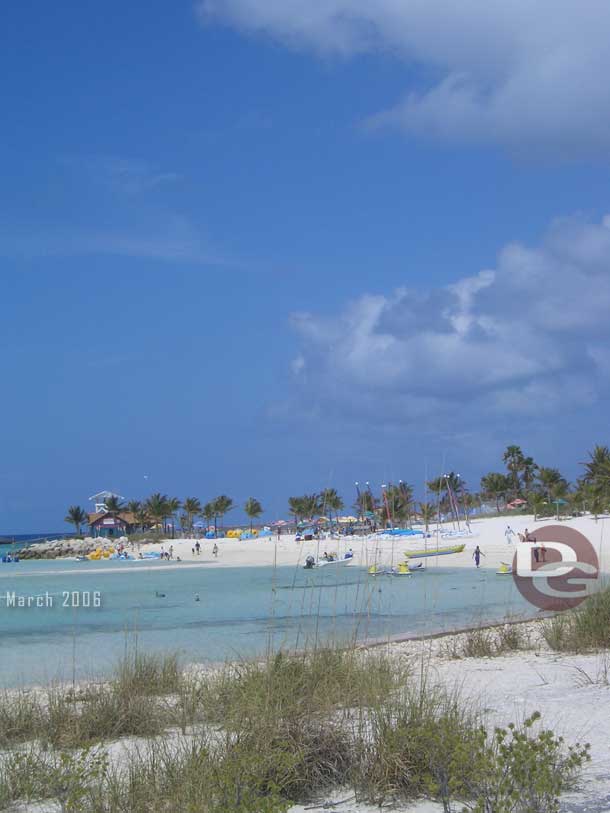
(522, 772)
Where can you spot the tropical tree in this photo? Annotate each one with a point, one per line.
(191, 507)
(597, 476)
(514, 457)
(311, 505)
(253, 509)
(331, 501)
(428, 513)
(446, 487)
(495, 486)
(173, 506)
(134, 506)
(297, 508)
(399, 502)
(157, 509)
(113, 504)
(142, 518)
(536, 502)
(76, 516)
(528, 472)
(222, 505)
(552, 484)
(209, 513)
(366, 504)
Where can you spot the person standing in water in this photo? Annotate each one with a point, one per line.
(477, 555)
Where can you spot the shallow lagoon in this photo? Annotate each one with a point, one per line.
(241, 612)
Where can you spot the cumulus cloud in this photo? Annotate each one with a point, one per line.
(519, 73)
(527, 338)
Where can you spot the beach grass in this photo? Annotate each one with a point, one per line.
(483, 642)
(256, 737)
(584, 629)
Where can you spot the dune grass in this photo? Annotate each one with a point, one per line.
(585, 629)
(257, 737)
(487, 643)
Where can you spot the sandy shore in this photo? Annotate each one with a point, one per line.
(488, 533)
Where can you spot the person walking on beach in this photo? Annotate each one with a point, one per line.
(477, 555)
(509, 533)
(198, 548)
(171, 552)
(215, 550)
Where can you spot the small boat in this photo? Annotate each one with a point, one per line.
(311, 563)
(424, 554)
(505, 569)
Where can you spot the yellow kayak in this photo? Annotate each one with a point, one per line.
(423, 554)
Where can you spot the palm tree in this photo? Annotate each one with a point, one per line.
(134, 506)
(222, 505)
(331, 501)
(536, 502)
(209, 513)
(428, 513)
(157, 508)
(366, 503)
(552, 483)
(528, 472)
(296, 508)
(76, 516)
(142, 518)
(495, 485)
(442, 486)
(513, 457)
(597, 477)
(253, 509)
(113, 504)
(191, 507)
(399, 502)
(173, 506)
(311, 505)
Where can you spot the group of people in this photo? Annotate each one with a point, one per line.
(539, 551)
(196, 549)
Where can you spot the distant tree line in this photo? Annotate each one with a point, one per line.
(542, 490)
(159, 511)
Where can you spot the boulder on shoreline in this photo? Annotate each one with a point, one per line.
(66, 548)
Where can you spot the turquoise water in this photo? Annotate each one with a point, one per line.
(241, 612)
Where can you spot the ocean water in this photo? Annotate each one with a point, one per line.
(241, 612)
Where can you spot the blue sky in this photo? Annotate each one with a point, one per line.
(263, 247)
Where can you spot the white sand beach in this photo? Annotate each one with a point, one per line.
(488, 534)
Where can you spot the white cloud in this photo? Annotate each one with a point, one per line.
(521, 74)
(527, 338)
(127, 176)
